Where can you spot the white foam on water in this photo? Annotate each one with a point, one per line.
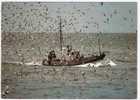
(33, 63)
(98, 64)
(111, 63)
(85, 65)
(13, 62)
(27, 63)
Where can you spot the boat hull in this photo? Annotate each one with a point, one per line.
(74, 62)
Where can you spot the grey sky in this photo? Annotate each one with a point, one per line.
(76, 17)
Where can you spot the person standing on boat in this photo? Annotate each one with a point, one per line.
(75, 56)
(63, 57)
(67, 53)
(69, 49)
(51, 57)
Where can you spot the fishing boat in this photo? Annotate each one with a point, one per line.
(71, 58)
(83, 60)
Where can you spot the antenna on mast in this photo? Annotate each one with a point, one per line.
(61, 35)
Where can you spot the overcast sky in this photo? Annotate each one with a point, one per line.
(76, 17)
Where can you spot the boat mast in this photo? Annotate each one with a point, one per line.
(61, 35)
(99, 43)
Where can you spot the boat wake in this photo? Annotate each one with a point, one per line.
(26, 63)
(33, 63)
(107, 62)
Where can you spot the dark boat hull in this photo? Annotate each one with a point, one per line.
(72, 63)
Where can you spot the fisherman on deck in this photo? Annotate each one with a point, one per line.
(69, 49)
(73, 55)
(66, 55)
(51, 57)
